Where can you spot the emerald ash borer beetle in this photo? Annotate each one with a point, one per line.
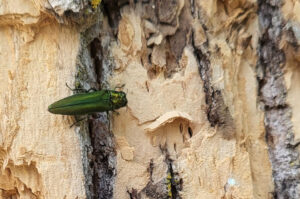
(87, 103)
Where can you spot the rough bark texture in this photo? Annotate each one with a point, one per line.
(212, 89)
(272, 90)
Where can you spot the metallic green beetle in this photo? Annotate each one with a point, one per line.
(86, 103)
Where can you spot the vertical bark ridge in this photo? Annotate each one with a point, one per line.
(272, 92)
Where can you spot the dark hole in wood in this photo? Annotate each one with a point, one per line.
(175, 147)
(190, 131)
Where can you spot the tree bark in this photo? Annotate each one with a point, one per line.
(212, 91)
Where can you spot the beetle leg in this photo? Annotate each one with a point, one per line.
(81, 89)
(76, 89)
(116, 112)
(294, 144)
(92, 89)
(77, 122)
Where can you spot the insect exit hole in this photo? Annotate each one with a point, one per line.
(190, 131)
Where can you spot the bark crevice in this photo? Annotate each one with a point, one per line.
(217, 111)
(103, 158)
(94, 66)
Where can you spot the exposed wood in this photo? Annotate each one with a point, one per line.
(212, 89)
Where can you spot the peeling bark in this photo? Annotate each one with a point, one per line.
(272, 91)
(191, 129)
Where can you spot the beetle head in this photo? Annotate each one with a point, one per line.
(118, 99)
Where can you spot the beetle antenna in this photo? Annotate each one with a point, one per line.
(69, 87)
(80, 89)
(120, 87)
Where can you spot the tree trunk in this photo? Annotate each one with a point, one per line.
(212, 99)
